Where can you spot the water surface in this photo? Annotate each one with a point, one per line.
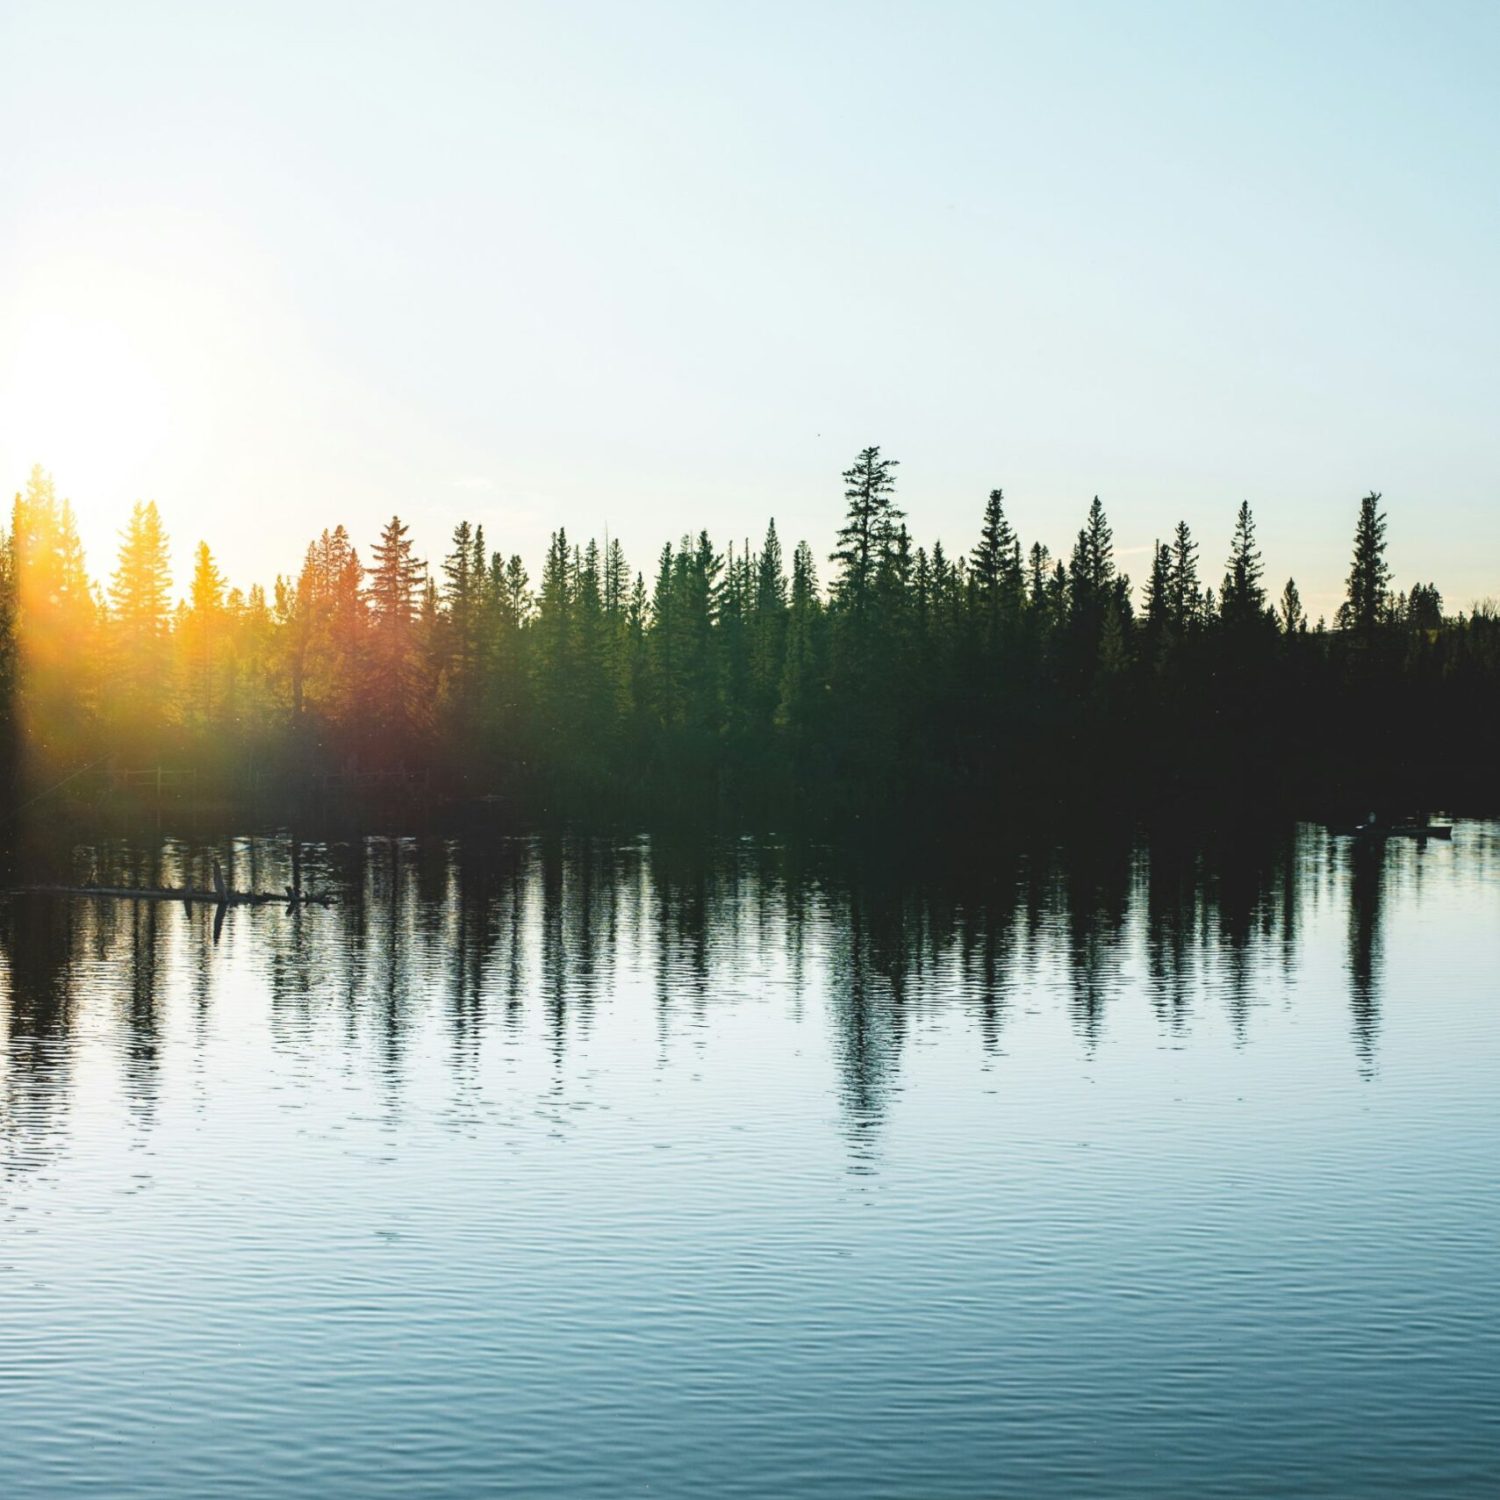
(613, 1169)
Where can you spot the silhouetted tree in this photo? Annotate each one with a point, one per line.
(141, 605)
(397, 708)
(204, 631)
(1242, 600)
(1185, 596)
(1293, 617)
(1365, 605)
(865, 538)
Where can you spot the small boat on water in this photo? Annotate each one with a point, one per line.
(1380, 828)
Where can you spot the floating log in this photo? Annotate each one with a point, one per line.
(189, 895)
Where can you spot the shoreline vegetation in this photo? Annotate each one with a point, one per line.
(731, 686)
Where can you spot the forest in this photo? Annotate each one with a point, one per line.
(886, 675)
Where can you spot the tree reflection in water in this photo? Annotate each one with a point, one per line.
(502, 930)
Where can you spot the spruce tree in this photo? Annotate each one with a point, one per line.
(396, 703)
(140, 598)
(1092, 568)
(1242, 599)
(865, 538)
(801, 678)
(768, 648)
(552, 662)
(463, 603)
(992, 555)
(1186, 599)
(1293, 616)
(1365, 605)
(1424, 607)
(395, 579)
(995, 573)
(1159, 591)
(1039, 570)
(203, 629)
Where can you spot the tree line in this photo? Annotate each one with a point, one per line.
(1000, 680)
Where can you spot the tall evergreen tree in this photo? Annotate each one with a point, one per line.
(395, 586)
(1242, 600)
(802, 674)
(328, 617)
(141, 604)
(769, 622)
(1091, 590)
(463, 599)
(205, 631)
(55, 627)
(995, 572)
(864, 540)
(1159, 592)
(1424, 607)
(552, 660)
(1186, 599)
(1366, 603)
(1093, 567)
(1293, 616)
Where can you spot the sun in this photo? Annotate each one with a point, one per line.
(84, 387)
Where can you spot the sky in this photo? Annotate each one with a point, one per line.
(642, 268)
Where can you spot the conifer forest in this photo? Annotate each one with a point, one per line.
(756, 680)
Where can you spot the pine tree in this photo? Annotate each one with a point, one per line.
(141, 588)
(395, 579)
(1091, 586)
(1092, 568)
(593, 699)
(769, 623)
(463, 601)
(1159, 591)
(1186, 600)
(1113, 641)
(330, 641)
(517, 591)
(57, 661)
(1242, 600)
(1039, 571)
(204, 631)
(995, 572)
(616, 581)
(617, 591)
(801, 678)
(140, 598)
(1366, 604)
(865, 538)
(552, 662)
(395, 586)
(734, 648)
(1293, 617)
(991, 558)
(1424, 607)
(507, 691)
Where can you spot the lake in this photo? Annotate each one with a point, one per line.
(617, 1168)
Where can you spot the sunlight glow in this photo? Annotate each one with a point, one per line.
(85, 386)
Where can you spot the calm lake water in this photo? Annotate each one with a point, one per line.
(618, 1169)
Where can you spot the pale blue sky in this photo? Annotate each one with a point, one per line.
(653, 265)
